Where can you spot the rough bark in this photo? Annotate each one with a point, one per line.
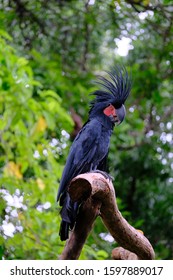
(86, 217)
(98, 196)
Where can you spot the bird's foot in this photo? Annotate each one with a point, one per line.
(105, 174)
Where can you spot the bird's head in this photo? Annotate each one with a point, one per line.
(115, 115)
(109, 101)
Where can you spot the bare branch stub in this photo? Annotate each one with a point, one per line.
(99, 198)
(120, 253)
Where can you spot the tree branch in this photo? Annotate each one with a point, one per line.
(99, 199)
(86, 217)
(120, 253)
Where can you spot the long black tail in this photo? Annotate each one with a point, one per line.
(68, 214)
(64, 230)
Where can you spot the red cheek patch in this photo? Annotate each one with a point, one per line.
(110, 110)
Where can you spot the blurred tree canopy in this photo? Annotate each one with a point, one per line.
(50, 52)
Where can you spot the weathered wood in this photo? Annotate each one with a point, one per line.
(120, 253)
(88, 212)
(99, 199)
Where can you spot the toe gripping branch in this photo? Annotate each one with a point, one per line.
(98, 199)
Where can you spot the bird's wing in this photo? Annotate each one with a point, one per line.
(81, 155)
(103, 164)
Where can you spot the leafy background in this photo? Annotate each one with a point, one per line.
(50, 53)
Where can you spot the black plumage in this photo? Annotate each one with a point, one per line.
(90, 148)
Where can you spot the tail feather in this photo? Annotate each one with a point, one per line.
(68, 214)
(64, 230)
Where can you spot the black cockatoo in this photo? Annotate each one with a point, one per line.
(89, 150)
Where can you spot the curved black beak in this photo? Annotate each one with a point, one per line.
(121, 113)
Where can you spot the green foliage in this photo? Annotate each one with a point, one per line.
(47, 64)
(30, 161)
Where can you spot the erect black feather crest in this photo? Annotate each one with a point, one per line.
(115, 89)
